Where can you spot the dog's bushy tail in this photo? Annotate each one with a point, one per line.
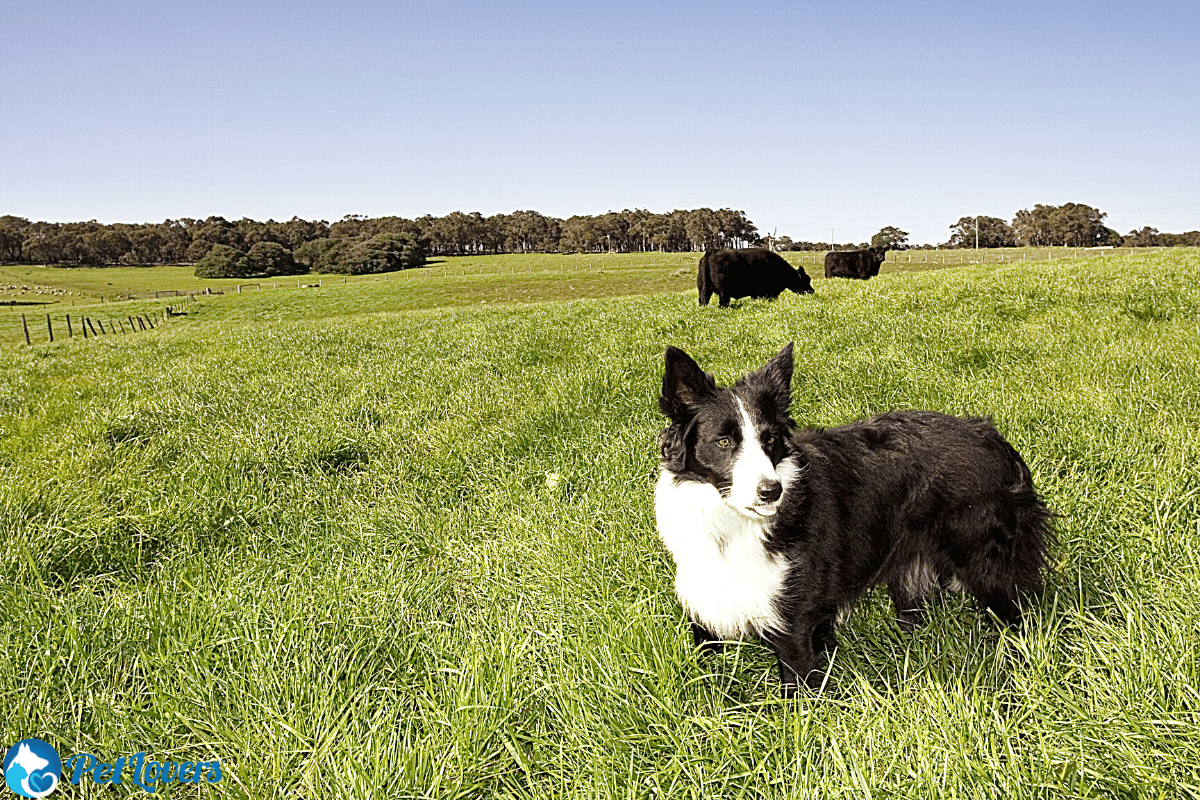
(1033, 533)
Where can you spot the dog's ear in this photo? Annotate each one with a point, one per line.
(683, 384)
(775, 378)
(674, 448)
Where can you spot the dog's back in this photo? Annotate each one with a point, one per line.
(916, 499)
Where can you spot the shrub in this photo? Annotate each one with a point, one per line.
(223, 261)
(269, 258)
(384, 252)
(322, 255)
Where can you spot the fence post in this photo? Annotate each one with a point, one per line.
(70, 333)
(90, 325)
(49, 329)
(100, 322)
(25, 328)
(83, 326)
(132, 327)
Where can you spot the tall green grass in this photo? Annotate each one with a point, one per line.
(113, 293)
(411, 553)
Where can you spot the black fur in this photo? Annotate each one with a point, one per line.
(752, 272)
(860, 264)
(911, 499)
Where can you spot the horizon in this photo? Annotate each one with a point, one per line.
(764, 236)
(850, 117)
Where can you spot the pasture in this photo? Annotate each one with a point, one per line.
(389, 539)
(105, 292)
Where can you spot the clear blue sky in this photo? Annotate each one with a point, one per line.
(807, 116)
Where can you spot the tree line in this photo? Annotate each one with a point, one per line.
(358, 244)
(1068, 225)
(355, 240)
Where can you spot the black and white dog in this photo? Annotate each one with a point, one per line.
(775, 533)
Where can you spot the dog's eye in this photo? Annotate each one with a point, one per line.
(770, 439)
(724, 442)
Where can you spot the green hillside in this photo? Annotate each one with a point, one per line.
(397, 538)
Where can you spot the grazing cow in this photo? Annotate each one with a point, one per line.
(753, 272)
(861, 264)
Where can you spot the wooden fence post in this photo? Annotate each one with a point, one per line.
(25, 328)
(100, 322)
(70, 333)
(132, 328)
(49, 329)
(83, 326)
(93, 327)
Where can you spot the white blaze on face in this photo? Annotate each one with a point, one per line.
(751, 468)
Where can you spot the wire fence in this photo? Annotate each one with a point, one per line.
(58, 327)
(206, 291)
(963, 256)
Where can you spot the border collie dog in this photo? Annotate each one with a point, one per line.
(776, 533)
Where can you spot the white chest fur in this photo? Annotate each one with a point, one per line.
(724, 577)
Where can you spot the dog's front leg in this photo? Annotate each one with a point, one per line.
(800, 659)
(706, 640)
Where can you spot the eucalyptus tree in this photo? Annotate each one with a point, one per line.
(890, 238)
(992, 232)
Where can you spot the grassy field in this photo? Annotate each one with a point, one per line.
(353, 543)
(113, 293)
(445, 282)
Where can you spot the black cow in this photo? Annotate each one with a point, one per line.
(753, 272)
(861, 264)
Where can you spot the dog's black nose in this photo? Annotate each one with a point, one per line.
(769, 491)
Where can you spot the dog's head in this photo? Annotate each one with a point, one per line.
(732, 438)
